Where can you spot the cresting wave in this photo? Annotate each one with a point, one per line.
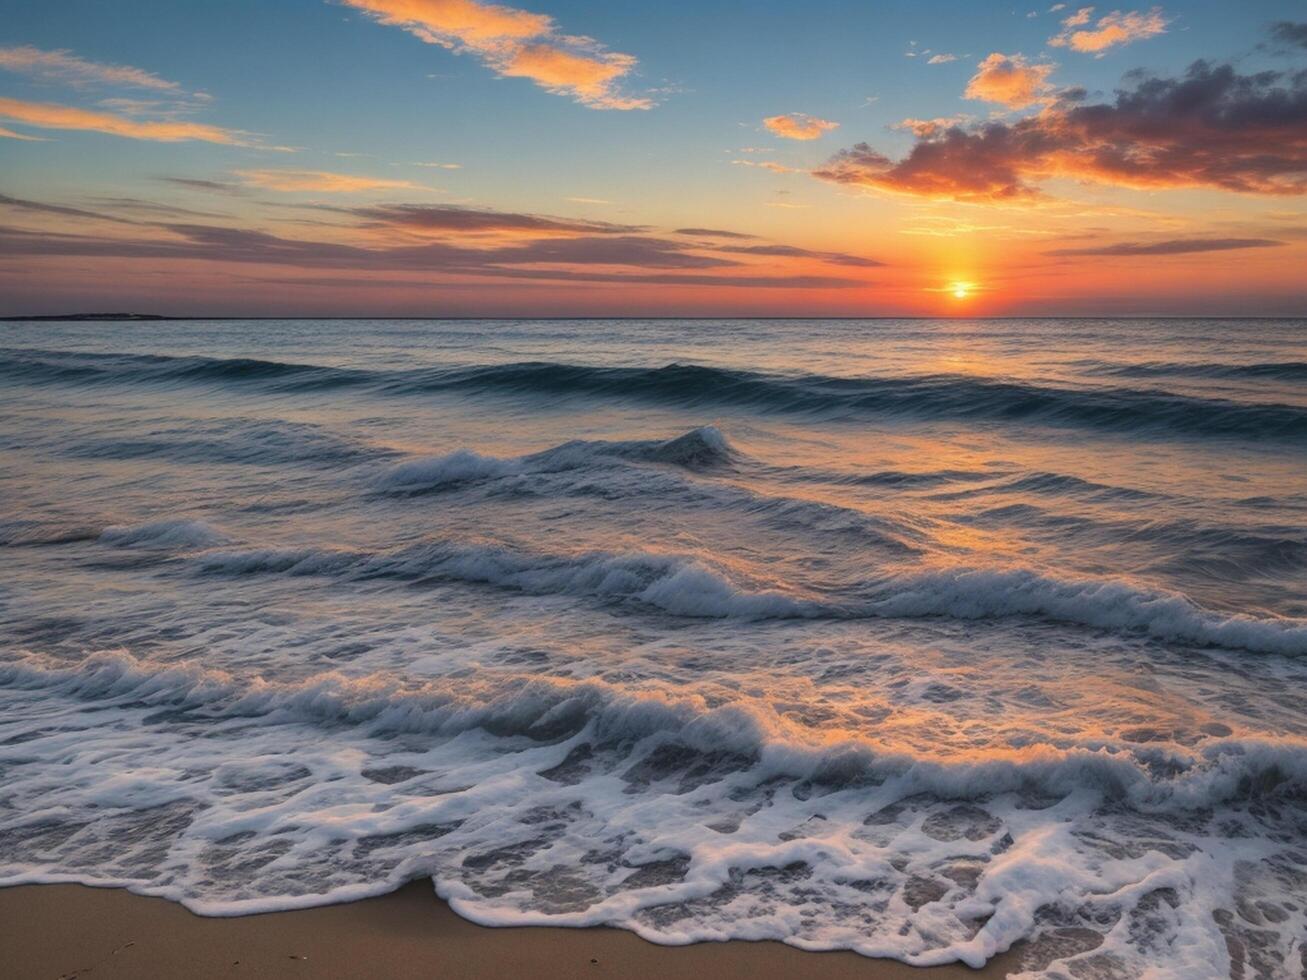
(686, 585)
(699, 448)
(923, 397)
(553, 710)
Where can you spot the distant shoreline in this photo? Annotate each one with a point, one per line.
(96, 316)
(163, 317)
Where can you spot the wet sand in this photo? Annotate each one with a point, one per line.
(67, 931)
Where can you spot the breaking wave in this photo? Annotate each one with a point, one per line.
(685, 585)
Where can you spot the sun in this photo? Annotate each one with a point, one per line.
(960, 290)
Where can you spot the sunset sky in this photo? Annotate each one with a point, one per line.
(453, 157)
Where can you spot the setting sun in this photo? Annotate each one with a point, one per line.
(961, 290)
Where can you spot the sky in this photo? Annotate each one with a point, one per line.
(706, 158)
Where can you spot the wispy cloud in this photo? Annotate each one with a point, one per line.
(1182, 246)
(516, 44)
(799, 126)
(941, 59)
(47, 115)
(1081, 33)
(476, 221)
(39, 207)
(1011, 80)
(9, 134)
(67, 68)
(321, 181)
(794, 252)
(1289, 34)
(772, 165)
(199, 184)
(466, 245)
(712, 233)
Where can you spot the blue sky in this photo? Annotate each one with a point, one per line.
(352, 87)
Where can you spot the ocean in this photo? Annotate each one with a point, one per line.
(913, 637)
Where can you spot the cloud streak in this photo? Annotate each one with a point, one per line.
(319, 181)
(516, 43)
(48, 115)
(462, 220)
(68, 68)
(536, 248)
(1182, 246)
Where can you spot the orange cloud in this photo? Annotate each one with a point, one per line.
(589, 79)
(1011, 80)
(319, 181)
(1113, 29)
(64, 66)
(799, 126)
(46, 115)
(516, 44)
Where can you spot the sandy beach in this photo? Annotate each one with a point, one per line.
(67, 931)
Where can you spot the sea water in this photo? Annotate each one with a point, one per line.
(917, 638)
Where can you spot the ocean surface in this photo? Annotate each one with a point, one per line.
(917, 638)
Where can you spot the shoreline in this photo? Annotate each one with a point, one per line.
(68, 931)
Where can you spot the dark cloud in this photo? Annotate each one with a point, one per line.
(471, 220)
(1290, 34)
(209, 186)
(1213, 127)
(712, 233)
(19, 204)
(221, 244)
(151, 207)
(1179, 246)
(632, 250)
(525, 247)
(664, 279)
(792, 251)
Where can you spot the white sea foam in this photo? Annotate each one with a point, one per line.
(648, 809)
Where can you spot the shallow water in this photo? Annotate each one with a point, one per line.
(914, 637)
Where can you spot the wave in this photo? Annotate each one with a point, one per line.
(678, 584)
(75, 367)
(550, 709)
(535, 800)
(1115, 606)
(927, 397)
(185, 535)
(685, 585)
(699, 448)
